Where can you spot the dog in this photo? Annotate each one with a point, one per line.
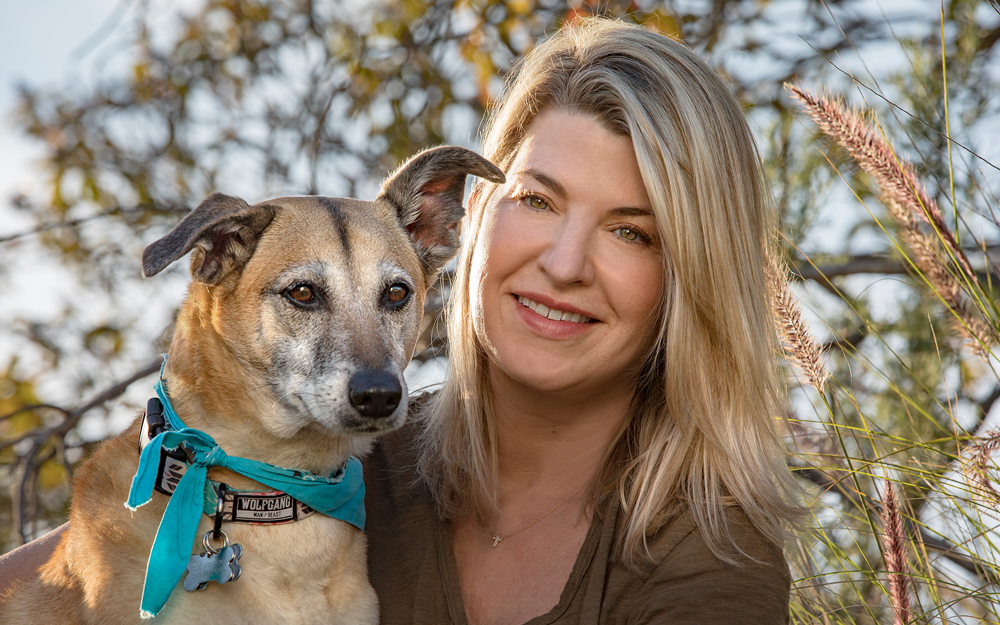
(288, 351)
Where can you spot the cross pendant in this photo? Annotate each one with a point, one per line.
(496, 541)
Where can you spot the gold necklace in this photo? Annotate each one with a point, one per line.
(497, 537)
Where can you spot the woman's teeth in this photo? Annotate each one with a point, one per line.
(552, 313)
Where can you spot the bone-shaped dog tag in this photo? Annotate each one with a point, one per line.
(222, 566)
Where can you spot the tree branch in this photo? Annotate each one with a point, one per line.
(862, 264)
(28, 464)
(117, 211)
(856, 265)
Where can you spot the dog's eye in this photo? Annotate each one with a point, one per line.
(302, 293)
(396, 295)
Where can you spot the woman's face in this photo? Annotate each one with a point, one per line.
(571, 262)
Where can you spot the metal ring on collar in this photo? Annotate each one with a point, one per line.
(208, 547)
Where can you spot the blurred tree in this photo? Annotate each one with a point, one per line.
(267, 97)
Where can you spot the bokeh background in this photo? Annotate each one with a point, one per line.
(120, 116)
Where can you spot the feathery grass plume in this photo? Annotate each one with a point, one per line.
(894, 177)
(927, 256)
(977, 472)
(906, 199)
(895, 555)
(800, 347)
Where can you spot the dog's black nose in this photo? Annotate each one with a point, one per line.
(374, 394)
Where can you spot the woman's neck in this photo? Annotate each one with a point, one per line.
(553, 443)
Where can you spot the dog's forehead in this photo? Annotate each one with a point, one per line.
(353, 232)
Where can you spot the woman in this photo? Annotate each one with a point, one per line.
(604, 441)
(603, 448)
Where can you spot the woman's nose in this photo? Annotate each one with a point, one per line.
(567, 257)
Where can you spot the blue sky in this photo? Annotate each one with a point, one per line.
(55, 43)
(36, 42)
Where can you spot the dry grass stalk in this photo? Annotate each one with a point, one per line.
(906, 199)
(977, 472)
(926, 255)
(895, 555)
(800, 347)
(895, 178)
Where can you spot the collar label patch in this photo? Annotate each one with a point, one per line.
(261, 507)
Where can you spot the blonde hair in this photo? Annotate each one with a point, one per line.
(700, 434)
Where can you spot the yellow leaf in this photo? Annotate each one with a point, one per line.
(519, 7)
(413, 10)
(51, 474)
(663, 23)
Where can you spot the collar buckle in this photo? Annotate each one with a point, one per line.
(173, 462)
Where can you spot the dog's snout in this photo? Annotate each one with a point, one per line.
(375, 394)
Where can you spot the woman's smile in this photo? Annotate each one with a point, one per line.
(552, 319)
(555, 311)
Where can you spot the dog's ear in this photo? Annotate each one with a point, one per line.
(427, 191)
(223, 232)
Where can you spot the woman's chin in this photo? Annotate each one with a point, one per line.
(548, 377)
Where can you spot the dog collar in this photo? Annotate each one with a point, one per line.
(340, 495)
(238, 506)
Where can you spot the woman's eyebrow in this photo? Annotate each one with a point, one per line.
(631, 211)
(548, 181)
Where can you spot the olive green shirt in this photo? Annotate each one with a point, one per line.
(413, 570)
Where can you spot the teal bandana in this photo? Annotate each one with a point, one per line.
(341, 496)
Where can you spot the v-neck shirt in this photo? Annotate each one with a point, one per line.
(413, 569)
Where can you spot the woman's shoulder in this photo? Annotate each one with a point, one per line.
(684, 581)
(679, 541)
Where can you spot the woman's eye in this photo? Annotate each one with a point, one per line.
(302, 293)
(536, 202)
(629, 234)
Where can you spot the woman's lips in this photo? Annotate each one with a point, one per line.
(552, 303)
(531, 311)
(553, 314)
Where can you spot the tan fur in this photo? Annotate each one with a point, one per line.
(267, 381)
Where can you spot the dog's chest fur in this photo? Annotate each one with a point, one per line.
(310, 572)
